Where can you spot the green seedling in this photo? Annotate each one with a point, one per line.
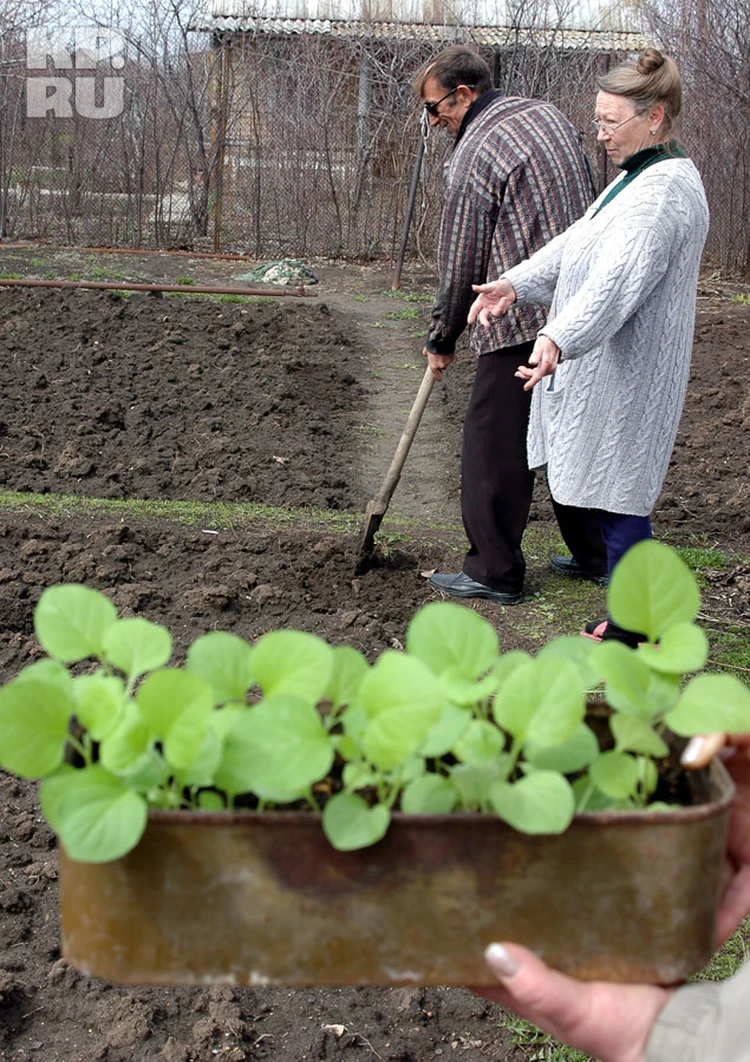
(449, 724)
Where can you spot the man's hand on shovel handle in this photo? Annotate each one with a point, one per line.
(437, 362)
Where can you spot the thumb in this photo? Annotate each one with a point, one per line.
(549, 998)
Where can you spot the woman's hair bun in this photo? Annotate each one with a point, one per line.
(650, 61)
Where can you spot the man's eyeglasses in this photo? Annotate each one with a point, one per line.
(432, 108)
(608, 128)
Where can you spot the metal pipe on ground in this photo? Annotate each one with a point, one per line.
(182, 289)
(134, 251)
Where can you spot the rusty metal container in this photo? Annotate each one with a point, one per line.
(254, 899)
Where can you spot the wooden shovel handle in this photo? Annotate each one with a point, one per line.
(404, 444)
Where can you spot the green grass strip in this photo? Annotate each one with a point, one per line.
(215, 515)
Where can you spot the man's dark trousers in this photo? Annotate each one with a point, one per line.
(496, 484)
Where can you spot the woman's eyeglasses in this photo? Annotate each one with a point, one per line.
(608, 128)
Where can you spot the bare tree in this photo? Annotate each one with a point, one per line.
(711, 42)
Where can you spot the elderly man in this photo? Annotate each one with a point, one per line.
(516, 178)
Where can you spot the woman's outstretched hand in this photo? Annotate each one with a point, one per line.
(493, 299)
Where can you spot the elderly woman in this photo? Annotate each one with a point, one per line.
(621, 283)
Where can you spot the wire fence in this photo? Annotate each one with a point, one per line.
(293, 144)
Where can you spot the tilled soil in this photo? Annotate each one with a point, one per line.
(295, 403)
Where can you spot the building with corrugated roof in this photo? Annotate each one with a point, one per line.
(583, 24)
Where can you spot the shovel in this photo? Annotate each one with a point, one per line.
(377, 507)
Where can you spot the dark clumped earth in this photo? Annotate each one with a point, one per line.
(280, 418)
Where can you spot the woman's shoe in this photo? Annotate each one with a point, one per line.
(607, 631)
(594, 629)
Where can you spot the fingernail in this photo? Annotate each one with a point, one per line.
(693, 751)
(500, 961)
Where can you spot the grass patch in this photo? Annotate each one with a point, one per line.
(699, 558)
(216, 516)
(408, 296)
(539, 1046)
(730, 648)
(409, 313)
(730, 956)
(744, 300)
(95, 271)
(11, 276)
(186, 281)
(257, 300)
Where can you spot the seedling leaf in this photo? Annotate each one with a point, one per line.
(682, 648)
(576, 651)
(277, 749)
(447, 636)
(349, 823)
(631, 685)
(394, 735)
(401, 682)
(34, 718)
(176, 705)
(96, 817)
(580, 749)
(542, 702)
(429, 795)
(71, 622)
(616, 774)
(651, 590)
(711, 703)
(541, 803)
(403, 701)
(124, 748)
(634, 734)
(481, 743)
(349, 668)
(136, 645)
(473, 781)
(223, 660)
(447, 730)
(99, 701)
(294, 663)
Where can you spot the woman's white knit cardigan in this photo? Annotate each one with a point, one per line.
(621, 285)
